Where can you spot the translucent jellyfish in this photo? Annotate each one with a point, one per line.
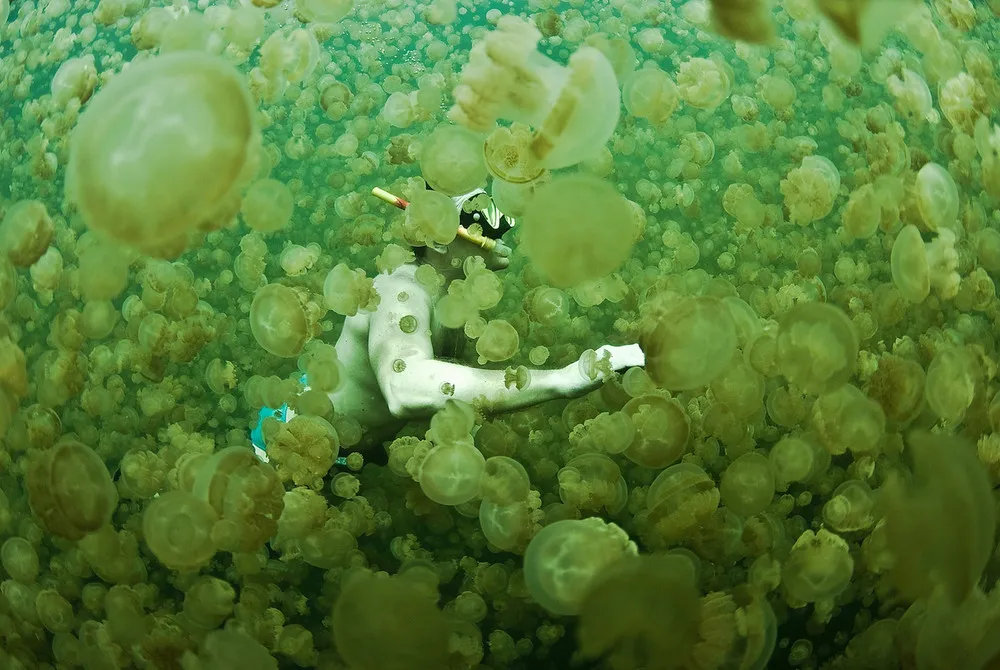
(325, 11)
(246, 494)
(513, 199)
(818, 568)
(75, 78)
(747, 485)
(912, 96)
(498, 342)
(508, 527)
(278, 321)
(704, 83)
(618, 51)
(963, 101)
(451, 474)
(797, 459)
(573, 109)
(865, 22)
(680, 500)
(296, 260)
(592, 482)
(431, 217)
(451, 160)
(577, 228)
(918, 266)
(851, 507)
(810, 189)
(952, 379)
(650, 94)
(70, 490)
(505, 481)
(398, 110)
(939, 524)
(936, 196)
(644, 612)
(346, 291)
(661, 428)
(847, 419)
(688, 341)
(163, 150)
(25, 232)
(746, 20)
(564, 558)
(177, 527)
(267, 205)
(509, 157)
(817, 347)
(863, 212)
(384, 623)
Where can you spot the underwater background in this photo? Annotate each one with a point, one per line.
(804, 475)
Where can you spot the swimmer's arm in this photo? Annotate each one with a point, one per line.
(415, 384)
(425, 385)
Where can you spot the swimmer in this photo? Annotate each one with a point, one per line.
(392, 376)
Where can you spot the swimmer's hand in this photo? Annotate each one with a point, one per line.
(595, 365)
(623, 357)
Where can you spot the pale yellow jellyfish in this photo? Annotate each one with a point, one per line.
(163, 150)
(278, 321)
(573, 109)
(577, 228)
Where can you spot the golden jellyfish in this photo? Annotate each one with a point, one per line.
(451, 474)
(431, 217)
(573, 109)
(508, 154)
(566, 557)
(70, 490)
(451, 160)
(267, 205)
(747, 485)
(25, 232)
(498, 342)
(680, 500)
(661, 428)
(705, 83)
(952, 380)
(389, 623)
(650, 94)
(509, 527)
(919, 266)
(512, 199)
(940, 523)
(577, 228)
(75, 78)
(810, 190)
(936, 196)
(325, 11)
(644, 612)
(797, 459)
(689, 341)
(163, 150)
(177, 526)
(247, 495)
(818, 568)
(278, 321)
(817, 347)
(746, 20)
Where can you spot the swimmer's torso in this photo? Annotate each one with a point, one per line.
(360, 397)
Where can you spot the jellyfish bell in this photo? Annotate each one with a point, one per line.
(573, 108)
(163, 150)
